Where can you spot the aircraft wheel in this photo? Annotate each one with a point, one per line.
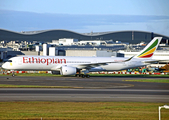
(13, 75)
(87, 76)
(83, 76)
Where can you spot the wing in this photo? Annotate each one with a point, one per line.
(88, 66)
(91, 65)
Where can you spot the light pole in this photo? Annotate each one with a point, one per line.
(159, 108)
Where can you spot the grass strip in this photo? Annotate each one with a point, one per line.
(129, 75)
(150, 80)
(34, 86)
(32, 74)
(82, 110)
(94, 75)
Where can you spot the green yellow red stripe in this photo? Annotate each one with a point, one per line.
(149, 51)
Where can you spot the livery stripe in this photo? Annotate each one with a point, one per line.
(149, 48)
(149, 52)
(146, 56)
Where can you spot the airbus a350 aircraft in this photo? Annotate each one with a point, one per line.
(73, 65)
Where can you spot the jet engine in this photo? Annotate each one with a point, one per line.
(67, 70)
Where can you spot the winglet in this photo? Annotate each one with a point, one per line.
(149, 50)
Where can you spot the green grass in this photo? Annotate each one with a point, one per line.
(82, 110)
(130, 75)
(94, 75)
(34, 86)
(150, 80)
(31, 74)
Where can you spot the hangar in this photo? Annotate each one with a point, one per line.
(131, 37)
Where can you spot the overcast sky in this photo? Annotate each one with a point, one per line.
(84, 16)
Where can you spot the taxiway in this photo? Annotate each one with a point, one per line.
(93, 89)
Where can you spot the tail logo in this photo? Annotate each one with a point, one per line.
(149, 51)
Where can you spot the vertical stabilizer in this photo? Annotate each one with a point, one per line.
(149, 50)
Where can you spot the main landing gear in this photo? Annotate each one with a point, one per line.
(82, 75)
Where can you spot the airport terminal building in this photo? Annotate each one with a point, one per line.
(78, 49)
(132, 37)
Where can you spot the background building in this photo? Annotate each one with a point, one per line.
(131, 37)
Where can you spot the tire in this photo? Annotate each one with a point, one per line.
(83, 76)
(87, 76)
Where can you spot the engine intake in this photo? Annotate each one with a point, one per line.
(67, 70)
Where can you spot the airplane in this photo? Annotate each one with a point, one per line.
(80, 66)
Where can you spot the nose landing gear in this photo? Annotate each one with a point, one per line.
(13, 74)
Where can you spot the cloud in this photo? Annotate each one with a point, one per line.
(29, 21)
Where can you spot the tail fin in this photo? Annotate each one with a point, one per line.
(149, 50)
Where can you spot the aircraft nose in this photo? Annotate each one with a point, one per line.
(4, 66)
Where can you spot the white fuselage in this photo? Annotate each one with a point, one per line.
(56, 62)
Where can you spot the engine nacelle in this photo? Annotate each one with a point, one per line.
(67, 70)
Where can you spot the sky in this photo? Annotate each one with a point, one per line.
(85, 16)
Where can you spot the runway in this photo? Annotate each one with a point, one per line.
(94, 89)
(83, 95)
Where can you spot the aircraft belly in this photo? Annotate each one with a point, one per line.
(119, 66)
(39, 67)
(114, 67)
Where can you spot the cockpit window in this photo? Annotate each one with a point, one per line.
(9, 61)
